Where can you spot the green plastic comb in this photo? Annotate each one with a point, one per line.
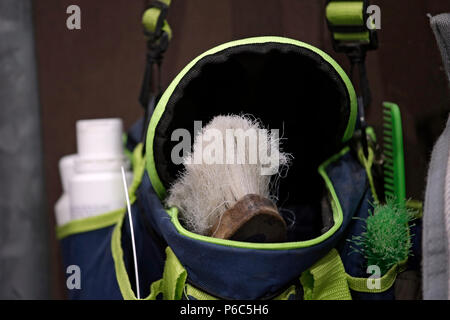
(394, 164)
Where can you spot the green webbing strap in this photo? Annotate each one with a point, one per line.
(346, 19)
(171, 286)
(155, 289)
(345, 13)
(416, 207)
(174, 277)
(385, 282)
(158, 34)
(326, 279)
(351, 37)
(367, 164)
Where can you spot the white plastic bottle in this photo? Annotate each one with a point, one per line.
(62, 206)
(97, 187)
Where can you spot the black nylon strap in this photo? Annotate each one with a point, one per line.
(157, 44)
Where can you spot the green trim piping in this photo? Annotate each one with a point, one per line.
(89, 224)
(337, 217)
(160, 108)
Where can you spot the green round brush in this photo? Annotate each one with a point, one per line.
(386, 240)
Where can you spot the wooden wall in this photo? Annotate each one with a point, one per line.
(96, 71)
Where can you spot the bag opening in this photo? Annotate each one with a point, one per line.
(286, 84)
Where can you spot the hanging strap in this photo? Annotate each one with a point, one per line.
(158, 34)
(347, 22)
(171, 286)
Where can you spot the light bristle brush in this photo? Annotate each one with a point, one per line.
(229, 200)
(394, 160)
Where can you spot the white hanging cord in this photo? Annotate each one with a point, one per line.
(132, 233)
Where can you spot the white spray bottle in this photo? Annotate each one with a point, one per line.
(62, 206)
(97, 187)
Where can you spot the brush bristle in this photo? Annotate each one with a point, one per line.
(203, 192)
(386, 240)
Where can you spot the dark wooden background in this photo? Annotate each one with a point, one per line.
(96, 72)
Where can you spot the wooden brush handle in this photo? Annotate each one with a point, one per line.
(251, 219)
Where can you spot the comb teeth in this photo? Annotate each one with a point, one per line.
(393, 167)
(388, 167)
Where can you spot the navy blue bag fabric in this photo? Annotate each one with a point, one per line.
(239, 273)
(91, 252)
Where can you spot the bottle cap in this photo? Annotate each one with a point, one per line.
(99, 144)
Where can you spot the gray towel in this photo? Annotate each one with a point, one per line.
(447, 212)
(435, 236)
(436, 219)
(441, 28)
